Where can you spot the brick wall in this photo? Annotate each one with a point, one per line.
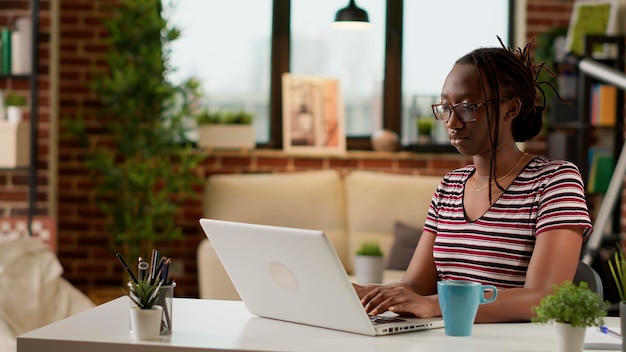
(83, 246)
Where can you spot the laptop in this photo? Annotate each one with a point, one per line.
(295, 275)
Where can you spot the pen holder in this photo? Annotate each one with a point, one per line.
(166, 300)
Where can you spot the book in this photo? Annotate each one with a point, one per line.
(603, 105)
(600, 169)
(597, 340)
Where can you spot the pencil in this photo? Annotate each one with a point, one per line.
(125, 266)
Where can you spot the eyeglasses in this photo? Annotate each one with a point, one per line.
(466, 112)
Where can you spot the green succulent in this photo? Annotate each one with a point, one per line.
(576, 305)
(144, 293)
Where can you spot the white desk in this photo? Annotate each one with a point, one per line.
(206, 325)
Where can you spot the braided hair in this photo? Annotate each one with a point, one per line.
(511, 73)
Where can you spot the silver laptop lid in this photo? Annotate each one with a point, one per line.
(288, 274)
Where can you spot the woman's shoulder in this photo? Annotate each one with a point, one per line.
(541, 164)
(460, 173)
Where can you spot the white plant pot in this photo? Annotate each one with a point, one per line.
(569, 338)
(226, 136)
(14, 114)
(146, 323)
(368, 269)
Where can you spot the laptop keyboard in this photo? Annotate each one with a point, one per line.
(377, 319)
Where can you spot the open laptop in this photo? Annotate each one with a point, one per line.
(295, 275)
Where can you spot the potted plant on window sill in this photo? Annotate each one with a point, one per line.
(369, 263)
(15, 103)
(425, 126)
(572, 308)
(145, 315)
(225, 130)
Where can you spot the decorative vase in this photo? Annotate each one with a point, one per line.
(385, 141)
(146, 323)
(569, 338)
(622, 320)
(368, 269)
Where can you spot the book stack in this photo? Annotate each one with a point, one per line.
(603, 105)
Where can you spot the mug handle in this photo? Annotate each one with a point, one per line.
(488, 288)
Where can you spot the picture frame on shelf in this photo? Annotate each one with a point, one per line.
(591, 17)
(313, 115)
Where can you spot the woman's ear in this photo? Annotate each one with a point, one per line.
(513, 107)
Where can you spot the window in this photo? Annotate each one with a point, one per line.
(436, 34)
(228, 50)
(230, 46)
(355, 57)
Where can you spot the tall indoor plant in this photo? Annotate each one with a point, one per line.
(141, 164)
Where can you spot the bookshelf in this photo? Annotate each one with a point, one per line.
(33, 84)
(592, 136)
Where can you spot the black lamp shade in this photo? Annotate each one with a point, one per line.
(351, 13)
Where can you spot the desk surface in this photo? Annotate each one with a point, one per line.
(208, 325)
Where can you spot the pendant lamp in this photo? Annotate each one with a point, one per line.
(351, 17)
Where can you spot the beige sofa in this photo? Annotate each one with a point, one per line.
(350, 209)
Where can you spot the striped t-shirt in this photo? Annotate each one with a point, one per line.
(496, 248)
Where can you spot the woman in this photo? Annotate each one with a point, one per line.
(511, 219)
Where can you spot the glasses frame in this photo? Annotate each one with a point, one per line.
(453, 107)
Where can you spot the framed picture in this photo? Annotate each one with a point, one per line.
(313, 115)
(590, 17)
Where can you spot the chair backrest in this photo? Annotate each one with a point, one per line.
(586, 273)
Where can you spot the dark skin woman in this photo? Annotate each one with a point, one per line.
(511, 219)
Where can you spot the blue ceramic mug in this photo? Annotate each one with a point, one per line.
(459, 301)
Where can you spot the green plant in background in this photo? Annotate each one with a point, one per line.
(425, 125)
(223, 117)
(141, 164)
(576, 305)
(370, 248)
(618, 271)
(15, 99)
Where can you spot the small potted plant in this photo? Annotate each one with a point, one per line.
(145, 315)
(369, 263)
(425, 127)
(14, 103)
(572, 308)
(225, 130)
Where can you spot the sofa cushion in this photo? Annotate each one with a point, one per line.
(405, 238)
(376, 200)
(309, 199)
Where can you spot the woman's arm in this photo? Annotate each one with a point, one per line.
(419, 280)
(554, 260)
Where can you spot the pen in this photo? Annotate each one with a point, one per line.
(125, 266)
(153, 266)
(610, 332)
(143, 270)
